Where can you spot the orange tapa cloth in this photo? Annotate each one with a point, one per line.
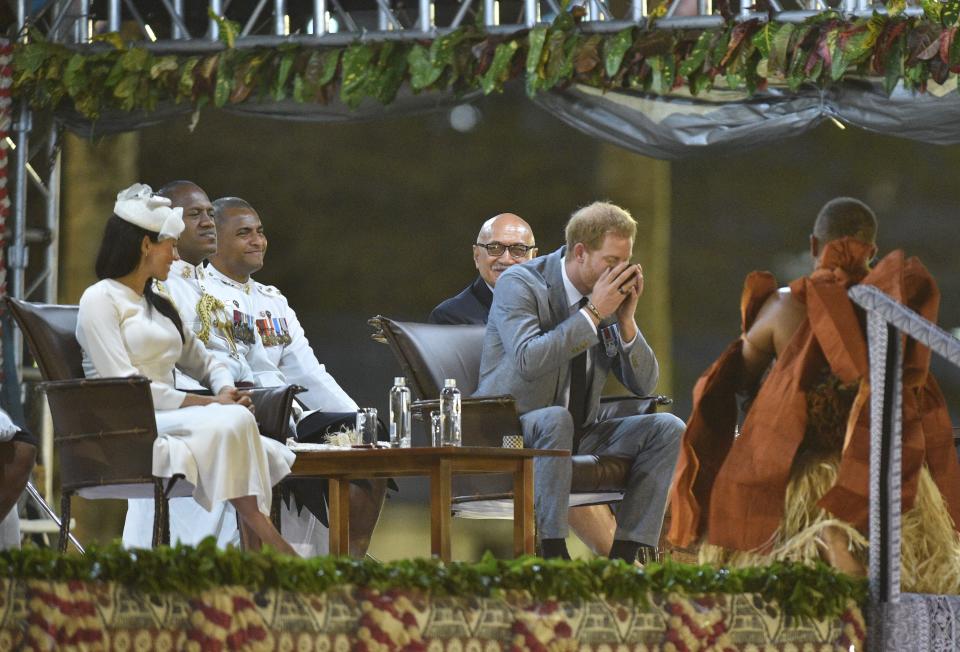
(732, 490)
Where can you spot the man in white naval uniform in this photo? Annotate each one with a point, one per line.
(208, 310)
(282, 353)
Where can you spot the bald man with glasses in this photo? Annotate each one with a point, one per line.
(504, 240)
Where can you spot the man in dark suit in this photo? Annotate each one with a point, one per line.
(542, 347)
(503, 241)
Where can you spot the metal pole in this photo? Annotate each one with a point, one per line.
(50, 283)
(426, 19)
(175, 24)
(490, 13)
(83, 22)
(216, 6)
(593, 10)
(279, 13)
(21, 15)
(530, 12)
(49, 511)
(113, 16)
(319, 17)
(638, 10)
(383, 21)
(17, 252)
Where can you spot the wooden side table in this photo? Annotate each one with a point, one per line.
(341, 466)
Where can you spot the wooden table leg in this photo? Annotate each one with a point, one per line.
(338, 516)
(440, 510)
(523, 531)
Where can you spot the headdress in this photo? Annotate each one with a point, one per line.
(140, 206)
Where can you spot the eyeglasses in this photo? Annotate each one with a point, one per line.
(496, 249)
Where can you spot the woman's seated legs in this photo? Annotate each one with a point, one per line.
(256, 528)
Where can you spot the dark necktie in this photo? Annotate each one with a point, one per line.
(578, 391)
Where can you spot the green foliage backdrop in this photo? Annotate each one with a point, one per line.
(801, 590)
(738, 55)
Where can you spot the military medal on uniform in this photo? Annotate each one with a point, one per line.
(280, 328)
(265, 328)
(243, 327)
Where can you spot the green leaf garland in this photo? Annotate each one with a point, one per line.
(750, 55)
(801, 590)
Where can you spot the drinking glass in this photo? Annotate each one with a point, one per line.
(435, 429)
(367, 425)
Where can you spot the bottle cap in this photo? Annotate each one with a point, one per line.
(450, 382)
(400, 381)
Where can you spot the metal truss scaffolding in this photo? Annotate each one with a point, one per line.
(32, 264)
(179, 25)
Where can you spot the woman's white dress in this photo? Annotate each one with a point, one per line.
(217, 448)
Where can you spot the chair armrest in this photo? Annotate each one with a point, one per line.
(599, 473)
(273, 407)
(84, 406)
(615, 407)
(658, 399)
(93, 383)
(485, 420)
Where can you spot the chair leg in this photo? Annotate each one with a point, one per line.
(275, 507)
(165, 523)
(52, 515)
(64, 521)
(161, 515)
(243, 544)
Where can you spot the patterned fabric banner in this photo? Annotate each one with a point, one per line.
(44, 615)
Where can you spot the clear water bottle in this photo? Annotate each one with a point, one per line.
(400, 413)
(450, 414)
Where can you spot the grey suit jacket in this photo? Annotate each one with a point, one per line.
(531, 339)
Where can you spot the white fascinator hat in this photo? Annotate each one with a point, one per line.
(140, 206)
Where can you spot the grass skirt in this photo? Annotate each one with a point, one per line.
(930, 554)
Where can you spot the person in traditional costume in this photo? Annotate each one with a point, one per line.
(125, 329)
(793, 483)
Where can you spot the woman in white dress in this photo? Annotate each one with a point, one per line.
(125, 329)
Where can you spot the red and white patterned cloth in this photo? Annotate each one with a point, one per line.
(75, 615)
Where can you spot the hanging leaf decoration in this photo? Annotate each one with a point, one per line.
(823, 50)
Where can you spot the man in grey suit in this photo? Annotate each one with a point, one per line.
(543, 345)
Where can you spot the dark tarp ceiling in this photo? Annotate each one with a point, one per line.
(664, 127)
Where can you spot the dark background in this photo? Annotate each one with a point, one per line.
(378, 217)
